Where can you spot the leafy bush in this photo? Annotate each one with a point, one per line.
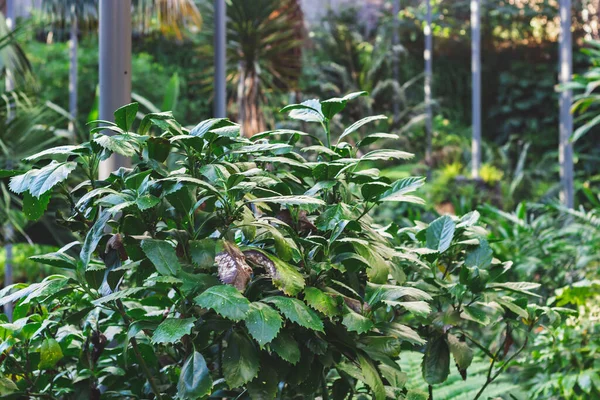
(231, 267)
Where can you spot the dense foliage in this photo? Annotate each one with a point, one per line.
(231, 267)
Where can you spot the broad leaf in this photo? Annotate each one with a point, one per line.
(461, 352)
(481, 257)
(194, 380)
(39, 181)
(50, 354)
(372, 377)
(124, 116)
(440, 233)
(356, 322)
(226, 301)
(119, 144)
(240, 360)
(284, 275)
(171, 330)
(296, 311)
(321, 301)
(399, 189)
(162, 255)
(263, 323)
(309, 111)
(286, 347)
(358, 124)
(436, 361)
(34, 207)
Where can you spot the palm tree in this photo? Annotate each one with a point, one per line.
(263, 52)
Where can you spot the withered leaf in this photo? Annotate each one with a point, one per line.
(232, 266)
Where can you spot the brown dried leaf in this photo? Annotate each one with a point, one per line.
(232, 266)
(116, 243)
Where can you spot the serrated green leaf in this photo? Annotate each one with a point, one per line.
(440, 233)
(203, 252)
(226, 301)
(372, 377)
(240, 360)
(146, 201)
(358, 124)
(475, 314)
(375, 293)
(162, 255)
(399, 189)
(117, 144)
(194, 380)
(263, 323)
(481, 257)
(59, 151)
(34, 207)
(266, 385)
(124, 116)
(172, 330)
(321, 301)
(50, 354)
(286, 347)
(402, 332)
(517, 287)
(418, 308)
(356, 322)
(39, 181)
(296, 311)
(117, 295)
(461, 352)
(436, 361)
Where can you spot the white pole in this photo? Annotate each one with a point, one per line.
(115, 68)
(428, 55)
(73, 43)
(396, 42)
(220, 45)
(565, 147)
(8, 235)
(476, 86)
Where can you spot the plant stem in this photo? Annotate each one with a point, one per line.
(138, 354)
(430, 387)
(328, 133)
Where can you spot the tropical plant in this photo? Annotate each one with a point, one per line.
(240, 267)
(264, 55)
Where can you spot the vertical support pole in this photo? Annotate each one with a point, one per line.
(73, 44)
(220, 45)
(565, 147)
(396, 61)
(428, 55)
(476, 87)
(115, 68)
(9, 233)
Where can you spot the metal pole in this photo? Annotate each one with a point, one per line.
(73, 44)
(428, 54)
(565, 147)
(115, 68)
(220, 106)
(396, 61)
(8, 235)
(476, 86)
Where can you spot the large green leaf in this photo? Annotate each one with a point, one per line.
(172, 330)
(50, 354)
(440, 233)
(399, 189)
(203, 252)
(284, 275)
(321, 301)
(240, 360)
(266, 385)
(358, 124)
(93, 238)
(296, 311)
(372, 377)
(119, 144)
(124, 116)
(263, 323)
(331, 107)
(194, 380)
(286, 347)
(225, 300)
(162, 255)
(309, 111)
(481, 257)
(356, 322)
(436, 361)
(58, 152)
(39, 181)
(34, 207)
(517, 287)
(463, 355)
(375, 293)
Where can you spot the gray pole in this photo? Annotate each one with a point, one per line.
(73, 72)
(8, 235)
(115, 68)
(428, 55)
(396, 61)
(565, 147)
(220, 106)
(476, 86)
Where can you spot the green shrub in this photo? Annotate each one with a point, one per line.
(231, 267)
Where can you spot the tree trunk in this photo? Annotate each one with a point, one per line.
(565, 147)
(476, 87)
(114, 68)
(220, 95)
(73, 44)
(428, 77)
(250, 115)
